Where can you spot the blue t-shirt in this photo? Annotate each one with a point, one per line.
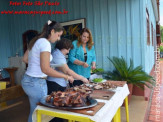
(58, 58)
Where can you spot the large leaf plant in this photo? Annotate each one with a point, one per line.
(135, 76)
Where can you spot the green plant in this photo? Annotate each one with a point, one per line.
(161, 48)
(98, 70)
(97, 80)
(161, 31)
(135, 76)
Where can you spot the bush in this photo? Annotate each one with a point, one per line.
(126, 72)
(161, 48)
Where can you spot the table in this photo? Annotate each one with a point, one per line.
(111, 110)
(11, 71)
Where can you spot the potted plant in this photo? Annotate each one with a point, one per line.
(134, 76)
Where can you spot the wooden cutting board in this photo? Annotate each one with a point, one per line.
(102, 94)
(117, 83)
(89, 111)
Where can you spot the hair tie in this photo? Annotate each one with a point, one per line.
(49, 22)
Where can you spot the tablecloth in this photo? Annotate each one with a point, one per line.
(105, 114)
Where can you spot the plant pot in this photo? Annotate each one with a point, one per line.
(130, 87)
(138, 91)
(142, 92)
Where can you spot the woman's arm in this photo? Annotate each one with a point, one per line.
(45, 67)
(25, 57)
(78, 62)
(94, 54)
(93, 65)
(94, 58)
(67, 70)
(75, 60)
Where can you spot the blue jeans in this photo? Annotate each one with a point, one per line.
(35, 88)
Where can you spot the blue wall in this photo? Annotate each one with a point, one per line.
(5, 42)
(118, 28)
(149, 49)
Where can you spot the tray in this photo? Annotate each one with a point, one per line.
(117, 83)
(93, 76)
(89, 111)
(102, 94)
(104, 80)
(92, 102)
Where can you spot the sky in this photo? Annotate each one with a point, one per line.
(161, 12)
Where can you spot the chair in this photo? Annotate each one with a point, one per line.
(2, 86)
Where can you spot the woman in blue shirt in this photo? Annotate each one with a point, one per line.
(82, 57)
(59, 84)
(61, 50)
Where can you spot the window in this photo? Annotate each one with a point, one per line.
(148, 27)
(152, 32)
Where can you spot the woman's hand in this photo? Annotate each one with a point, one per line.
(85, 80)
(85, 65)
(70, 79)
(93, 65)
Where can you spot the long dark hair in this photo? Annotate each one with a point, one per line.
(46, 32)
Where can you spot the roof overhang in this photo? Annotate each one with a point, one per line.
(155, 9)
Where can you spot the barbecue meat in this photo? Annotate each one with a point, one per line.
(69, 98)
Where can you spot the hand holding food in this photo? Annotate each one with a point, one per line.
(70, 78)
(85, 80)
(85, 65)
(93, 66)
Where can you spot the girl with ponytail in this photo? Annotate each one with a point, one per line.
(38, 57)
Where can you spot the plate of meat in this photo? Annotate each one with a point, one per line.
(68, 100)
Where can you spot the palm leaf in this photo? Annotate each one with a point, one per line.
(123, 72)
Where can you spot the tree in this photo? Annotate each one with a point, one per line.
(161, 31)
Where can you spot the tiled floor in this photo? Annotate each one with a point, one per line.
(137, 109)
(156, 107)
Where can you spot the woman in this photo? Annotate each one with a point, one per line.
(61, 50)
(82, 57)
(38, 57)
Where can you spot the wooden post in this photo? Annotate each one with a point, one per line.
(11, 71)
